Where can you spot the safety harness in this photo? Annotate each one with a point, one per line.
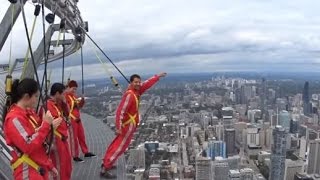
(132, 118)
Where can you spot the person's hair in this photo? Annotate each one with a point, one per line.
(72, 83)
(134, 76)
(56, 87)
(25, 86)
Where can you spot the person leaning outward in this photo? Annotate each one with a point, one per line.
(26, 135)
(77, 135)
(127, 119)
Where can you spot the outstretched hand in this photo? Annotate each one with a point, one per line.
(163, 74)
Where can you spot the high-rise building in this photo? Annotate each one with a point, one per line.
(314, 157)
(307, 107)
(216, 148)
(284, 120)
(303, 147)
(294, 125)
(263, 96)
(291, 168)
(230, 139)
(278, 156)
(203, 168)
(221, 171)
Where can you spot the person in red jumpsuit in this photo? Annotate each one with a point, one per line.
(26, 135)
(60, 153)
(77, 135)
(127, 119)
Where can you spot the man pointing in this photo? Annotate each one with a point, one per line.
(127, 119)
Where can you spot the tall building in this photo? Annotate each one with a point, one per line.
(294, 125)
(284, 120)
(230, 139)
(306, 99)
(278, 156)
(292, 168)
(216, 148)
(203, 168)
(314, 157)
(303, 147)
(263, 96)
(221, 171)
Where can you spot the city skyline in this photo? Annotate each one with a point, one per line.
(204, 36)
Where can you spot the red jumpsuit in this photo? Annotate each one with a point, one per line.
(76, 132)
(26, 136)
(60, 153)
(127, 119)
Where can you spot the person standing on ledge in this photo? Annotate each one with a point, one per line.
(127, 119)
(77, 135)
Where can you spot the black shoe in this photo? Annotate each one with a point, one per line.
(89, 154)
(107, 175)
(77, 159)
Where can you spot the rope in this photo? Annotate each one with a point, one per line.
(46, 54)
(10, 52)
(82, 72)
(30, 47)
(28, 50)
(63, 54)
(105, 66)
(105, 55)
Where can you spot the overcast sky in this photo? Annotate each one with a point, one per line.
(146, 36)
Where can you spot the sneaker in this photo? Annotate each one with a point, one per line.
(89, 154)
(77, 159)
(107, 175)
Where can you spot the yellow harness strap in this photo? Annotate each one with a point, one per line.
(25, 159)
(132, 118)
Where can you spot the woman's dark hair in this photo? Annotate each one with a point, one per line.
(134, 76)
(25, 86)
(57, 87)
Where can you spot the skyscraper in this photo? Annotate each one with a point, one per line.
(216, 148)
(314, 157)
(230, 139)
(284, 120)
(278, 156)
(203, 168)
(306, 99)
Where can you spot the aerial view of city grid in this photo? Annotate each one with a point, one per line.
(159, 90)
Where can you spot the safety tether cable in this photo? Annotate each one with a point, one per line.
(10, 51)
(82, 78)
(63, 55)
(105, 55)
(30, 47)
(108, 71)
(36, 13)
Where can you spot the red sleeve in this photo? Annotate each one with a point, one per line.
(17, 133)
(149, 83)
(123, 108)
